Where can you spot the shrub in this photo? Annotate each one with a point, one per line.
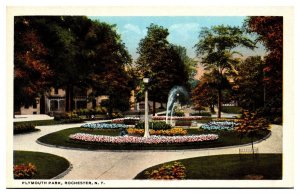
(176, 170)
(202, 113)
(69, 117)
(117, 115)
(232, 109)
(183, 123)
(160, 125)
(23, 128)
(24, 171)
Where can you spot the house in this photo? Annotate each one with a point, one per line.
(54, 101)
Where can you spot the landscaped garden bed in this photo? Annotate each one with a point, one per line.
(225, 138)
(38, 165)
(233, 167)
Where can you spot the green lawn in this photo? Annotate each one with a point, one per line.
(40, 122)
(48, 165)
(232, 166)
(61, 138)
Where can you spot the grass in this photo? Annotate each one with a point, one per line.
(61, 138)
(40, 122)
(232, 166)
(48, 165)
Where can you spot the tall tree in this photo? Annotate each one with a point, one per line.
(80, 53)
(216, 48)
(249, 83)
(269, 31)
(110, 62)
(162, 61)
(32, 74)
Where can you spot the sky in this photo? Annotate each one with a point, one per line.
(184, 30)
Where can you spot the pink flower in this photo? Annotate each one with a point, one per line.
(150, 140)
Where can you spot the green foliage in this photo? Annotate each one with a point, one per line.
(231, 168)
(232, 109)
(201, 113)
(93, 111)
(269, 32)
(249, 83)
(23, 128)
(161, 125)
(215, 47)
(78, 52)
(46, 165)
(183, 123)
(69, 117)
(178, 112)
(163, 62)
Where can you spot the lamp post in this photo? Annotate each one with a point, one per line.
(146, 134)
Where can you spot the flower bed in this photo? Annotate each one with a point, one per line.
(171, 132)
(175, 170)
(177, 117)
(219, 125)
(24, 171)
(142, 140)
(126, 120)
(103, 126)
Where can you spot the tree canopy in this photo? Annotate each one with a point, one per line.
(164, 62)
(77, 51)
(217, 50)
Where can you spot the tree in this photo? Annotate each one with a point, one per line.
(216, 50)
(269, 31)
(249, 83)
(80, 53)
(110, 61)
(32, 74)
(162, 61)
(251, 125)
(203, 95)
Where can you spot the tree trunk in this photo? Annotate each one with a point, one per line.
(153, 108)
(219, 102)
(69, 98)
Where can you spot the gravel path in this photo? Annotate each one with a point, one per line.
(125, 165)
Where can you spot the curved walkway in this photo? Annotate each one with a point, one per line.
(122, 165)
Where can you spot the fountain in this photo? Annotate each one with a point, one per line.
(174, 92)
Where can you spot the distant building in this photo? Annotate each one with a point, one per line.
(54, 101)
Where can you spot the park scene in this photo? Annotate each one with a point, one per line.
(147, 97)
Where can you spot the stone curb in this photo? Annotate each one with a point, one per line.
(65, 172)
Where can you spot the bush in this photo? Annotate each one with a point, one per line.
(202, 113)
(96, 111)
(232, 109)
(69, 117)
(23, 128)
(161, 125)
(24, 171)
(183, 123)
(176, 170)
(117, 115)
